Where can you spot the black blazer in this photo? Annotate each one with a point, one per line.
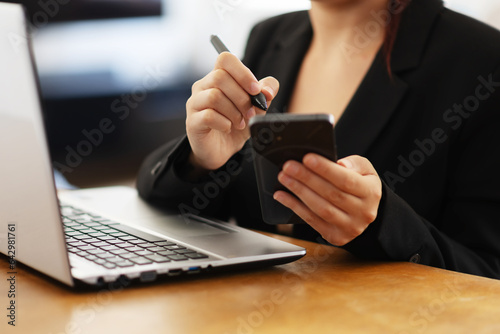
(431, 130)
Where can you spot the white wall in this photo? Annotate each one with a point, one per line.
(178, 42)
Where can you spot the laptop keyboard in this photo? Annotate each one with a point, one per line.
(113, 245)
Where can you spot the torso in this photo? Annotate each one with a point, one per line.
(327, 86)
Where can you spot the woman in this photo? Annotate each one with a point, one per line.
(415, 90)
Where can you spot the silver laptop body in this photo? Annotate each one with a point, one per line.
(31, 227)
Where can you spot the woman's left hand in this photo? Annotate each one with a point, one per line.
(339, 200)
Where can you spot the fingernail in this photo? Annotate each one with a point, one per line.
(311, 160)
(290, 168)
(269, 90)
(242, 124)
(346, 163)
(250, 112)
(254, 88)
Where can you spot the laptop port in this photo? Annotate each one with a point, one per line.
(174, 272)
(194, 270)
(148, 276)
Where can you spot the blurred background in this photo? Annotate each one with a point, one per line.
(132, 62)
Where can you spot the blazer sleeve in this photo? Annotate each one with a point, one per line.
(159, 182)
(466, 235)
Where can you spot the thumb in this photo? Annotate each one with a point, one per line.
(358, 164)
(270, 87)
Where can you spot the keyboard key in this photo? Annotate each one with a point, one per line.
(119, 234)
(128, 238)
(177, 257)
(104, 255)
(156, 249)
(119, 251)
(93, 241)
(108, 230)
(136, 241)
(87, 247)
(82, 237)
(124, 264)
(73, 233)
(109, 248)
(108, 222)
(76, 243)
(158, 258)
(144, 252)
(99, 227)
(134, 249)
(73, 249)
(146, 244)
(114, 259)
(196, 256)
(125, 245)
(96, 234)
(106, 238)
(115, 241)
(127, 255)
(164, 243)
(91, 224)
(166, 252)
(140, 260)
(175, 247)
(101, 244)
(96, 251)
(109, 265)
(184, 251)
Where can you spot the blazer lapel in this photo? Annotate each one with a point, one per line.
(379, 94)
(371, 107)
(284, 57)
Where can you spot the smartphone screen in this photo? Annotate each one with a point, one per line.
(277, 138)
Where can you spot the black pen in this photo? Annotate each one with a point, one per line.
(258, 100)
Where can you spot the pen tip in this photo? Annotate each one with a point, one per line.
(259, 101)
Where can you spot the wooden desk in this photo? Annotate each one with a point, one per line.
(327, 291)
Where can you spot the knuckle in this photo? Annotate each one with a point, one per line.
(335, 196)
(376, 193)
(213, 96)
(222, 60)
(326, 212)
(370, 215)
(349, 183)
(218, 77)
(195, 86)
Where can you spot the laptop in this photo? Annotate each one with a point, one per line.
(100, 235)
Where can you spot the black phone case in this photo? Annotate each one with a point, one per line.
(277, 138)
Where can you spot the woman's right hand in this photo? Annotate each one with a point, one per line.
(219, 109)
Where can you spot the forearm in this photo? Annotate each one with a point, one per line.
(400, 234)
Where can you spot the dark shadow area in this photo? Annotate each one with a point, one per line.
(102, 140)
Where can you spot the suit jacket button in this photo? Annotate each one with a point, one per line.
(415, 258)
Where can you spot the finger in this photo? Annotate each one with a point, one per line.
(316, 203)
(332, 195)
(329, 232)
(358, 164)
(223, 81)
(270, 87)
(214, 99)
(347, 180)
(207, 120)
(240, 73)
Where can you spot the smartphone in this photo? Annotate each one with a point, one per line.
(277, 138)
